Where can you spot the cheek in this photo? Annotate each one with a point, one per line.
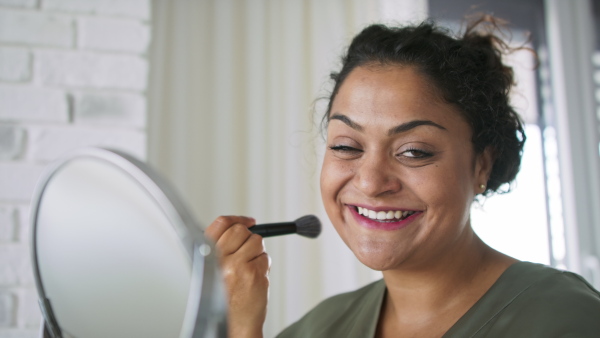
(334, 176)
(446, 189)
(327, 181)
(442, 184)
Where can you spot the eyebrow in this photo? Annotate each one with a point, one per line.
(401, 128)
(411, 125)
(347, 121)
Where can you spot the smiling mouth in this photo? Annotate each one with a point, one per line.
(385, 216)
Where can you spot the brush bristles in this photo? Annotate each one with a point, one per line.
(308, 226)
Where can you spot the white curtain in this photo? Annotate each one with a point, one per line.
(233, 92)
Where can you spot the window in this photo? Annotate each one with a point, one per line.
(559, 184)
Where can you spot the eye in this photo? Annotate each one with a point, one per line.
(345, 152)
(414, 153)
(343, 148)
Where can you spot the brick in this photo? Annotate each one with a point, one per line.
(15, 64)
(15, 266)
(114, 109)
(50, 143)
(19, 333)
(19, 3)
(11, 142)
(36, 28)
(7, 309)
(130, 8)
(8, 224)
(28, 310)
(22, 222)
(20, 103)
(18, 180)
(94, 70)
(125, 35)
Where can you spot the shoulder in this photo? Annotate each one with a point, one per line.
(552, 303)
(340, 311)
(566, 295)
(558, 288)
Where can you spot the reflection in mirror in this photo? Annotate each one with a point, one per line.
(116, 254)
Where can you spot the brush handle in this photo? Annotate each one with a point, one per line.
(274, 229)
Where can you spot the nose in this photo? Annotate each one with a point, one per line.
(376, 177)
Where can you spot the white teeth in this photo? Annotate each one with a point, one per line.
(384, 215)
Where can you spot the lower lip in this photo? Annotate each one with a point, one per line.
(373, 224)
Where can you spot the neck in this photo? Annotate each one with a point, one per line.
(460, 275)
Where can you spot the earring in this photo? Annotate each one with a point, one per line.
(482, 186)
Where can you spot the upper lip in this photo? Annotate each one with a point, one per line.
(382, 208)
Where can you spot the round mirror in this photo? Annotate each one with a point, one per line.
(116, 254)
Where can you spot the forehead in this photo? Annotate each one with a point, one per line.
(390, 92)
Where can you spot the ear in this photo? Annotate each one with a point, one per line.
(483, 168)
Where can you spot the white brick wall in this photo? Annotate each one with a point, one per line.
(7, 303)
(48, 143)
(90, 69)
(35, 28)
(72, 73)
(15, 64)
(17, 180)
(113, 34)
(19, 3)
(33, 104)
(11, 142)
(109, 109)
(139, 9)
(8, 225)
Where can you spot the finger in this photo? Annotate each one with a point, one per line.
(253, 247)
(248, 274)
(263, 263)
(216, 229)
(233, 239)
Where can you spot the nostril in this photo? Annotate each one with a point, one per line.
(376, 182)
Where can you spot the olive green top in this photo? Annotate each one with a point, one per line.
(528, 300)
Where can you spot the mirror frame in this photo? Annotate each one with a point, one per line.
(205, 315)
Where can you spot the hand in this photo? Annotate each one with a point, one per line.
(245, 266)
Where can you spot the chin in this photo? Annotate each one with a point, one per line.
(376, 259)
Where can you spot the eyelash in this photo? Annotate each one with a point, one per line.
(345, 149)
(421, 153)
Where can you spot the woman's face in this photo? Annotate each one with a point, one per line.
(400, 172)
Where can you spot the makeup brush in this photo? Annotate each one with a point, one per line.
(307, 226)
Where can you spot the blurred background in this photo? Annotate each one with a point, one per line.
(224, 98)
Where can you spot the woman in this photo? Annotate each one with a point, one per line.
(418, 125)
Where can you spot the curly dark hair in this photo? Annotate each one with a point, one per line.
(467, 71)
